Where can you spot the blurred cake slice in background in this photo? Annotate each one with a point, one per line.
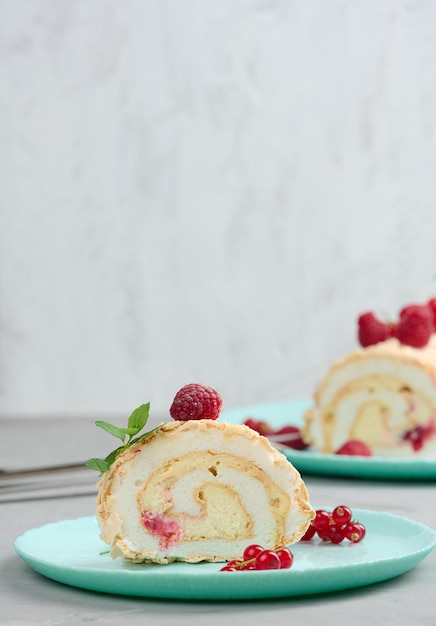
(381, 399)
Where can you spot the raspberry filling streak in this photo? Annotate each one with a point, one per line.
(166, 528)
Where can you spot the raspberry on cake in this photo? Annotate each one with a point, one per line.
(371, 330)
(200, 490)
(355, 447)
(196, 401)
(415, 326)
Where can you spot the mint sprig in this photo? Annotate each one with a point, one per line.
(135, 424)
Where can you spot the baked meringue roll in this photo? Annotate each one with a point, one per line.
(200, 491)
(383, 395)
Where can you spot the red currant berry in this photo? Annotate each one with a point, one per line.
(335, 534)
(267, 559)
(322, 520)
(228, 568)
(309, 534)
(355, 532)
(252, 551)
(342, 515)
(286, 558)
(362, 530)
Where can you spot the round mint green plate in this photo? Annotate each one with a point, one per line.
(309, 462)
(70, 552)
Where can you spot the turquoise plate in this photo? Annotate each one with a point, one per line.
(70, 552)
(308, 462)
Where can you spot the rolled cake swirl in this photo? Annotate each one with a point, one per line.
(200, 490)
(383, 395)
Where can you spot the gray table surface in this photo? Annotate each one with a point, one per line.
(28, 598)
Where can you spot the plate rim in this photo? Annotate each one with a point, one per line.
(318, 463)
(401, 563)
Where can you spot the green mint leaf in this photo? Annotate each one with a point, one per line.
(136, 422)
(139, 418)
(129, 431)
(98, 464)
(132, 441)
(111, 429)
(113, 455)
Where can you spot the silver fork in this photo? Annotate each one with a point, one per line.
(47, 482)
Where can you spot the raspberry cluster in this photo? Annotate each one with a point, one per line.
(288, 436)
(256, 557)
(415, 325)
(335, 526)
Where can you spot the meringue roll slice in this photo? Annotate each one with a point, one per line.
(383, 395)
(200, 491)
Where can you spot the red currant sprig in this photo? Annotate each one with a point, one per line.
(335, 526)
(255, 557)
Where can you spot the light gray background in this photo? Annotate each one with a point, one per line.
(206, 191)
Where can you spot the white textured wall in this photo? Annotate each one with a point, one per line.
(206, 190)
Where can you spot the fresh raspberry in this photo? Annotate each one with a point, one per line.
(289, 436)
(419, 435)
(196, 402)
(405, 310)
(432, 306)
(415, 326)
(260, 426)
(372, 330)
(355, 447)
